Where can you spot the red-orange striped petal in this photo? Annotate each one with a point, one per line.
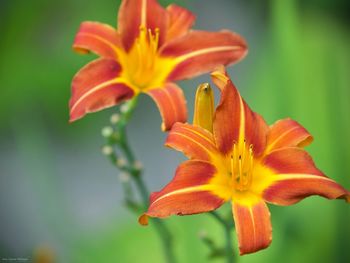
(97, 37)
(227, 118)
(171, 103)
(180, 21)
(97, 86)
(194, 141)
(285, 133)
(296, 178)
(199, 52)
(253, 226)
(188, 193)
(291, 160)
(136, 13)
(234, 120)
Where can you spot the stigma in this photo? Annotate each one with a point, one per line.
(242, 160)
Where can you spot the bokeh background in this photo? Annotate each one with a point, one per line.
(59, 196)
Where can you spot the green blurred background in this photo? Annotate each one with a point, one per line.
(59, 195)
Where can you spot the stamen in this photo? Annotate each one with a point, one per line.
(243, 152)
(232, 166)
(241, 162)
(156, 39)
(239, 175)
(143, 60)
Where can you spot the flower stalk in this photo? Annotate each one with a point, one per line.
(227, 227)
(132, 173)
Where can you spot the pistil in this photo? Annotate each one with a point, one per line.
(242, 166)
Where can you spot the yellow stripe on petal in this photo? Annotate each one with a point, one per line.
(193, 141)
(199, 52)
(97, 86)
(190, 192)
(288, 189)
(206, 51)
(287, 133)
(99, 38)
(253, 226)
(184, 191)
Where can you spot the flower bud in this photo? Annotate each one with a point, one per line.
(124, 177)
(115, 118)
(121, 162)
(204, 107)
(107, 150)
(107, 131)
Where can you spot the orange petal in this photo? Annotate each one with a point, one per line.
(234, 121)
(171, 103)
(97, 86)
(188, 193)
(286, 133)
(296, 177)
(99, 38)
(136, 13)
(253, 226)
(195, 142)
(220, 77)
(180, 21)
(199, 52)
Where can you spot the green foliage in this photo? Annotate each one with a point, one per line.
(302, 72)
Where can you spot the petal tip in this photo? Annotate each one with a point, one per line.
(80, 51)
(347, 198)
(143, 220)
(72, 119)
(220, 77)
(163, 127)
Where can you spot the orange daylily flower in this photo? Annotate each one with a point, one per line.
(152, 48)
(243, 160)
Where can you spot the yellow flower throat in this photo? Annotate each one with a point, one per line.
(242, 160)
(143, 67)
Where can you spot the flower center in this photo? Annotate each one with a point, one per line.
(143, 68)
(242, 166)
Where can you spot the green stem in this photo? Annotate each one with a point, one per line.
(127, 190)
(227, 226)
(229, 245)
(135, 172)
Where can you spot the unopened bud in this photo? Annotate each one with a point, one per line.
(124, 177)
(204, 107)
(115, 118)
(107, 131)
(107, 150)
(124, 108)
(138, 165)
(121, 162)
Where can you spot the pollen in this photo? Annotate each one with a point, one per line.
(242, 160)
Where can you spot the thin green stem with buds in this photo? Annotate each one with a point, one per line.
(132, 169)
(227, 226)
